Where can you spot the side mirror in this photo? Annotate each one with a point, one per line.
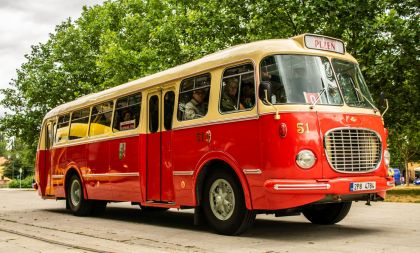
(382, 100)
(383, 103)
(264, 91)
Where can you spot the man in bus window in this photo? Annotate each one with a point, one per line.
(195, 108)
(229, 97)
(247, 95)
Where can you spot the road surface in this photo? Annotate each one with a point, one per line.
(30, 224)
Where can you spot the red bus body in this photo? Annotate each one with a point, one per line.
(167, 168)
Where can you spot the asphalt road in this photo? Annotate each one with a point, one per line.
(30, 224)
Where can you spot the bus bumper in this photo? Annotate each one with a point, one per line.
(288, 193)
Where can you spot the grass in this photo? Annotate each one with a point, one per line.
(407, 194)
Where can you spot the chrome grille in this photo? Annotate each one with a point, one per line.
(353, 150)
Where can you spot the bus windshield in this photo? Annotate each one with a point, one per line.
(300, 79)
(352, 84)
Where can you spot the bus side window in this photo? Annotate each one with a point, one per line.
(62, 128)
(100, 120)
(153, 114)
(79, 124)
(49, 135)
(127, 113)
(168, 109)
(238, 89)
(194, 97)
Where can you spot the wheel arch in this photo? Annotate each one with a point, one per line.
(214, 161)
(72, 170)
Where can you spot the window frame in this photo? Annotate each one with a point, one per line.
(88, 127)
(209, 74)
(239, 90)
(57, 123)
(112, 118)
(114, 110)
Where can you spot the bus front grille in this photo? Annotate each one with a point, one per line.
(353, 150)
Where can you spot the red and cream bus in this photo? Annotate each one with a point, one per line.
(275, 126)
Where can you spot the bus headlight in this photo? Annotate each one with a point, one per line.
(387, 157)
(305, 159)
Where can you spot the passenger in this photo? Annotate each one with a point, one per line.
(247, 96)
(196, 108)
(229, 97)
(127, 116)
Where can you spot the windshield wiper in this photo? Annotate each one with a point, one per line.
(319, 96)
(363, 96)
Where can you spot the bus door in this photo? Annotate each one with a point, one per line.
(167, 186)
(159, 146)
(46, 176)
(153, 147)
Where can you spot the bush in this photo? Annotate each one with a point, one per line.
(26, 182)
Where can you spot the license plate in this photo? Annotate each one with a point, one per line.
(362, 186)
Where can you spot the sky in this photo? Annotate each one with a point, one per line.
(28, 22)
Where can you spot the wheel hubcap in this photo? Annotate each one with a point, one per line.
(75, 193)
(222, 199)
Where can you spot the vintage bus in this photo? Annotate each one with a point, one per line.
(282, 126)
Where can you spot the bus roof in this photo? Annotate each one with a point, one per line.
(254, 50)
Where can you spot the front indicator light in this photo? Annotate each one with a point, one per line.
(305, 159)
(387, 157)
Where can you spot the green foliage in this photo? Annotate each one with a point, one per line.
(25, 183)
(20, 156)
(3, 146)
(126, 39)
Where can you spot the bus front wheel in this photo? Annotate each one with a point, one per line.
(327, 214)
(224, 204)
(75, 198)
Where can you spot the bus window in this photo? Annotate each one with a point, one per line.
(62, 128)
(100, 121)
(300, 79)
(79, 124)
(238, 89)
(153, 114)
(194, 97)
(168, 109)
(127, 113)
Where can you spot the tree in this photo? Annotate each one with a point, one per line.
(127, 39)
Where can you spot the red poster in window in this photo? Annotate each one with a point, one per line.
(311, 97)
(126, 125)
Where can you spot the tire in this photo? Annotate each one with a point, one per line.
(76, 199)
(224, 204)
(327, 214)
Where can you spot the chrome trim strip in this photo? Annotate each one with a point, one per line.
(183, 173)
(354, 128)
(129, 174)
(93, 140)
(254, 116)
(252, 171)
(57, 176)
(301, 187)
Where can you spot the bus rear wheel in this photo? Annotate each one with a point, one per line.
(75, 198)
(224, 204)
(327, 214)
